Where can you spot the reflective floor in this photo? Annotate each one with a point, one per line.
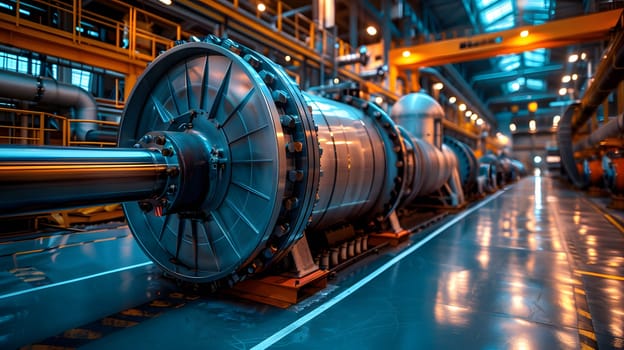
(535, 266)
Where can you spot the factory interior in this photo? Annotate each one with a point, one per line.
(326, 174)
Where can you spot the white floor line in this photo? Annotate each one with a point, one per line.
(277, 336)
(36, 289)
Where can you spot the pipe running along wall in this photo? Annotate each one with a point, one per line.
(608, 75)
(48, 91)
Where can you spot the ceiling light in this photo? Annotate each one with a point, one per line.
(336, 80)
(583, 55)
(563, 91)
(371, 30)
(479, 121)
(166, 2)
(261, 7)
(556, 120)
(574, 76)
(537, 159)
(532, 106)
(287, 58)
(512, 127)
(438, 86)
(573, 58)
(379, 100)
(566, 79)
(532, 125)
(468, 113)
(406, 53)
(462, 107)
(524, 33)
(502, 139)
(474, 117)
(452, 99)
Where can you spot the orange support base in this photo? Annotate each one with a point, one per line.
(617, 202)
(280, 291)
(392, 238)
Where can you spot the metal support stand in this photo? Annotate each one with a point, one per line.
(286, 289)
(398, 234)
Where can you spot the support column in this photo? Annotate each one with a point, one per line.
(353, 25)
(386, 8)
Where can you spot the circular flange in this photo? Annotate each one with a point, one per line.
(262, 162)
(467, 162)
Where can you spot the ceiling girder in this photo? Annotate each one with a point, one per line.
(521, 97)
(500, 76)
(569, 31)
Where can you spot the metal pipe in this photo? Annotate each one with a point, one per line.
(36, 179)
(564, 139)
(48, 91)
(361, 56)
(607, 77)
(611, 129)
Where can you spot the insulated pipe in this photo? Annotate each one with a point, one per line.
(564, 139)
(48, 91)
(613, 128)
(34, 179)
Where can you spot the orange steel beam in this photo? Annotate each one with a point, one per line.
(558, 33)
(39, 40)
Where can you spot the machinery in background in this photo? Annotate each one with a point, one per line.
(225, 167)
(591, 156)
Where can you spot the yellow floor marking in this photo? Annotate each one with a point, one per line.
(588, 334)
(595, 274)
(584, 313)
(614, 222)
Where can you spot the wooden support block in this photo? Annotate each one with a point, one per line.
(617, 202)
(281, 291)
(392, 238)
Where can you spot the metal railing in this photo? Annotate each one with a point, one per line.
(42, 128)
(131, 36)
(30, 127)
(288, 21)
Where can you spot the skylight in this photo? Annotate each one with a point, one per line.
(496, 15)
(535, 58)
(535, 84)
(509, 63)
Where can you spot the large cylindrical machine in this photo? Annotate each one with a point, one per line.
(220, 166)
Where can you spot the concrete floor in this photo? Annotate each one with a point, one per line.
(535, 266)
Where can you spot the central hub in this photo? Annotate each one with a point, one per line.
(194, 170)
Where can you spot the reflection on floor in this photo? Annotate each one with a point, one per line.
(535, 266)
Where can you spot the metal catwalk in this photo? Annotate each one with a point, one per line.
(535, 266)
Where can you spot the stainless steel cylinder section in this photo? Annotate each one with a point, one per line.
(419, 114)
(353, 164)
(431, 167)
